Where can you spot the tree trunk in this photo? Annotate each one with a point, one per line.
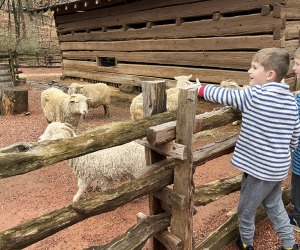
(14, 101)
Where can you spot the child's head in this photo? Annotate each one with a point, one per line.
(269, 65)
(296, 67)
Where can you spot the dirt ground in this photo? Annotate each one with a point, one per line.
(31, 195)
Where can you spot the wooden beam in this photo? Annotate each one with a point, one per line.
(136, 236)
(154, 102)
(182, 219)
(229, 26)
(171, 149)
(92, 42)
(38, 155)
(166, 132)
(231, 60)
(170, 197)
(161, 71)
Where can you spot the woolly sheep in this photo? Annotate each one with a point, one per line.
(104, 166)
(136, 107)
(98, 94)
(59, 106)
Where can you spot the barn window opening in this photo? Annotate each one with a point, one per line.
(107, 61)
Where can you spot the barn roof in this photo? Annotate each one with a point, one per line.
(43, 5)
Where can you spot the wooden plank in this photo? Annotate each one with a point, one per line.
(165, 237)
(229, 26)
(153, 4)
(191, 44)
(171, 149)
(292, 13)
(117, 10)
(204, 75)
(233, 60)
(182, 219)
(166, 132)
(170, 197)
(154, 102)
(112, 77)
(170, 12)
(292, 30)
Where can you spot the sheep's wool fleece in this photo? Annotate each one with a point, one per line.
(110, 164)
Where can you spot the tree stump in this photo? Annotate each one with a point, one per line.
(13, 101)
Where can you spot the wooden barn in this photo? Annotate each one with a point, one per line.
(126, 41)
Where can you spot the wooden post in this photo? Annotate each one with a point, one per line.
(14, 101)
(154, 102)
(182, 219)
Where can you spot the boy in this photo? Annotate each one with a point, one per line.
(270, 127)
(295, 217)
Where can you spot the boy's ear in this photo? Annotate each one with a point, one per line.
(271, 75)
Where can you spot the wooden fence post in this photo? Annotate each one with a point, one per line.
(182, 219)
(154, 102)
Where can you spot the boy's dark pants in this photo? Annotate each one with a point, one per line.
(255, 192)
(296, 196)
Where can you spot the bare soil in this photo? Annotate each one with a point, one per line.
(31, 195)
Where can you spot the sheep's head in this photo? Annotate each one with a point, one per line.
(78, 104)
(74, 88)
(229, 84)
(183, 80)
(57, 130)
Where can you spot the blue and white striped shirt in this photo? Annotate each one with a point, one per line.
(270, 128)
(296, 153)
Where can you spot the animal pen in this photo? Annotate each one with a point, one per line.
(168, 179)
(128, 41)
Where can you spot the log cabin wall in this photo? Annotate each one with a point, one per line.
(124, 42)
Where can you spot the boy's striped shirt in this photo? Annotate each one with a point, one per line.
(270, 128)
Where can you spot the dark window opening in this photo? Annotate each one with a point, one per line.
(107, 61)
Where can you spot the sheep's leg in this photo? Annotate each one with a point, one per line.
(106, 111)
(82, 185)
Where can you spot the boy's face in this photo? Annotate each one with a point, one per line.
(296, 67)
(258, 75)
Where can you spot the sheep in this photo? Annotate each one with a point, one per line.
(59, 106)
(136, 107)
(230, 84)
(98, 94)
(104, 166)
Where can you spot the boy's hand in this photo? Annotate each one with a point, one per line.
(200, 88)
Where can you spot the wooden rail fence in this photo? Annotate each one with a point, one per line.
(168, 207)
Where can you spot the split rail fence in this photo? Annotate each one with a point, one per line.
(170, 221)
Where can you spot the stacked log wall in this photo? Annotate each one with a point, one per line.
(213, 40)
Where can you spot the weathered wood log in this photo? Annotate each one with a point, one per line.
(182, 219)
(214, 190)
(46, 225)
(46, 153)
(167, 131)
(154, 102)
(14, 101)
(102, 137)
(136, 236)
(229, 230)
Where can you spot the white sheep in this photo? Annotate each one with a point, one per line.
(230, 84)
(59, 106)
(98, 94)
(136, 107)
(104, 166)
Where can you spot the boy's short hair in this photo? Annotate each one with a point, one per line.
(297, 53)
(276, 59)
